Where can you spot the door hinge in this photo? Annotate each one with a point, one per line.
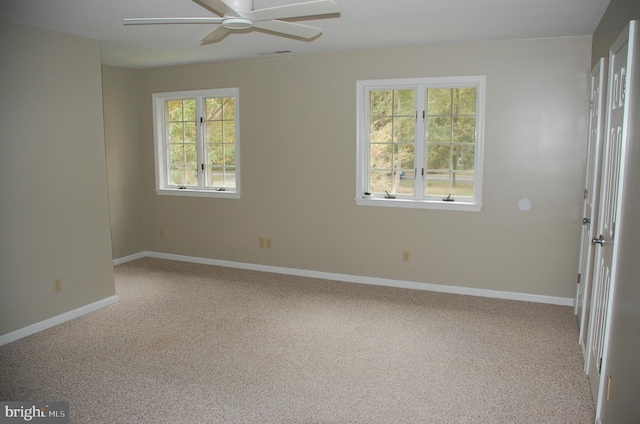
(586, 193)
(201, 120)
(600, 365)
(579, 277)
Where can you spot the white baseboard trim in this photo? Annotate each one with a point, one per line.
(564, 301)
(129, 258)
(59, 319)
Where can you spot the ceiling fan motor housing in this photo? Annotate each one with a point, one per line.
(240, 5)
(237, 23)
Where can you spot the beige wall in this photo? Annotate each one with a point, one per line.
(298, 146)
(54, 211)
(124, 159)
(616, 17)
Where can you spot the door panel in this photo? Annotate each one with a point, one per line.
(590, 212)
(611, 184)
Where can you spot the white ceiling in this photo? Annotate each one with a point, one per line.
(362, 24)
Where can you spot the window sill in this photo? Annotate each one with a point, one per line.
(197, 193)
(419, 204)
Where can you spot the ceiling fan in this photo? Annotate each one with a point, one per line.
(237, 15)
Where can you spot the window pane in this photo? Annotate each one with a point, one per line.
(176, 154)
(229, 132)
(403, 181)
(181, 128)
(183, 175)
(464, 101)
(398, 181)
(462, 184)
(229, 109)
(191, 154)
(176, 175)
(229, 154)
(380, 181)
(215, 176)
(214, 108)
(403, 156)
(189, 110)
(404, 130)
(438, 157)
(214, 154)
(221, 176)
(381, 102)
(191, 175)
(381, 156)
(464, 129)
(439, 129)
(439, 101)
(189, 132)
(462, 175)
(176, 132)
(213, 132)
(381, 130)
(392, 141)
(404, 102)
(174, 110)
(220, 136)
(463, 157)
(437, 183)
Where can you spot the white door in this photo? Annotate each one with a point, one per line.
(615, 140)
(591, 193)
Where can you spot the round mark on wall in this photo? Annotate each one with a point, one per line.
(524, 204)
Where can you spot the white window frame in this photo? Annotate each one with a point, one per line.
(160, 144)
(417, 200)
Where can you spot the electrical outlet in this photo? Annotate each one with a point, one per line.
(268, 242)
(261, 242)
(406, 256)
(57, 285)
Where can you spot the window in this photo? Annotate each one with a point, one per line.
(420, 142)
(197, 143)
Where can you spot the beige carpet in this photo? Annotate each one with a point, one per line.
(192, 343)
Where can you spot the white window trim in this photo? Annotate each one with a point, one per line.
(160, 152)
(362, 108)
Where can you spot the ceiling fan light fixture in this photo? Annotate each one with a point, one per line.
(237, 23)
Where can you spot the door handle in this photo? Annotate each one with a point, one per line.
(598, 240)
(586, 221)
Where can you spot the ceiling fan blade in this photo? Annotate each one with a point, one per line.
(215, 36)
(298, 10)
(156, 21)
(289, 28)
(218, 7)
